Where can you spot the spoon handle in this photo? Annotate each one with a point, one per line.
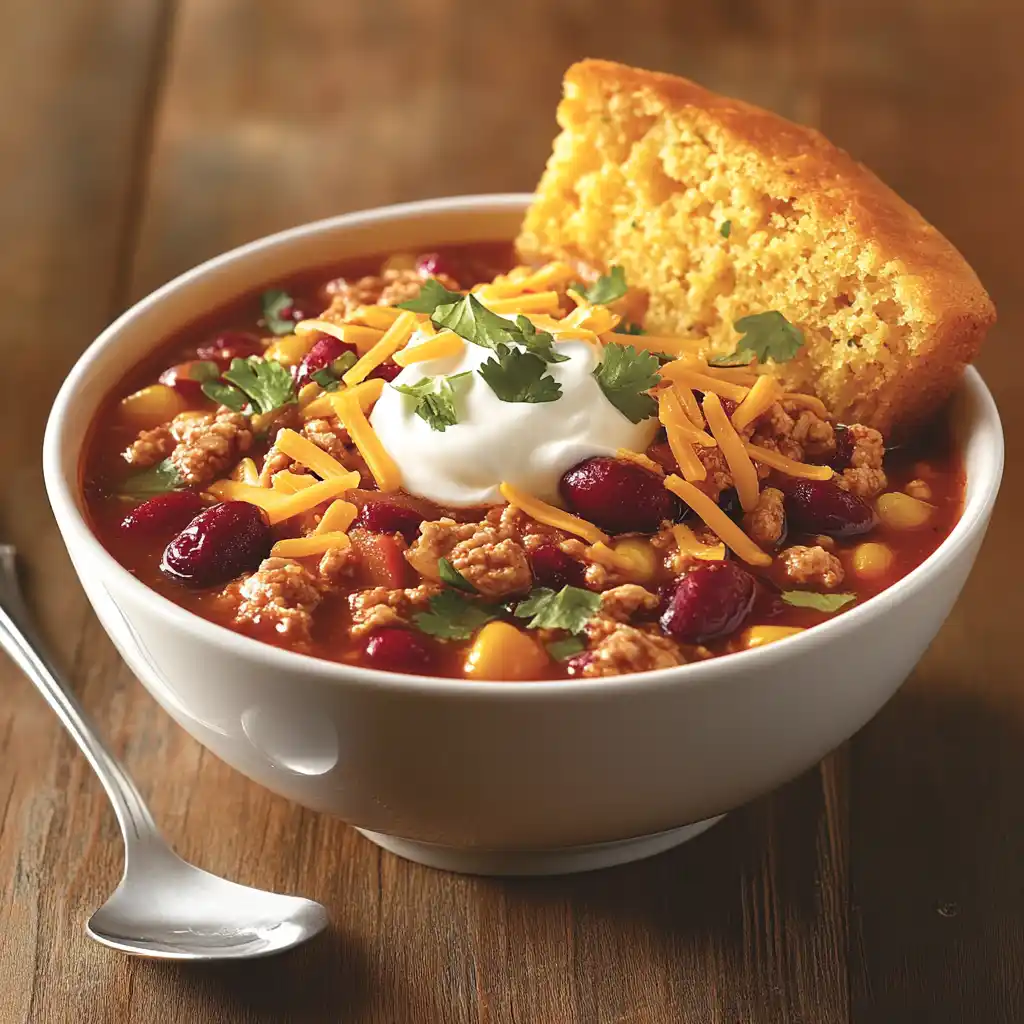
(19, 639)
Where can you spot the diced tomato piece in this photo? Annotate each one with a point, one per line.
(382, 559)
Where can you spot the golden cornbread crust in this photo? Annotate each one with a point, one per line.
(649, 167)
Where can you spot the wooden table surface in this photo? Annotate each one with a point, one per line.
(138, 137)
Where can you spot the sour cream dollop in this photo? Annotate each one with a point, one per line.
(529, 445)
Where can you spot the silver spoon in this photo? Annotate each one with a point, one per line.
(163, 907)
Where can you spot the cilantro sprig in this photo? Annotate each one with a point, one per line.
(431, 295)
(828, 603)
(275, 303)
(765, 336)
(570, 608)
(158, 479)
(435, 399)
(450, 575)
(625, 375)
(518, 376)
(452, 615)
(260, 384)
(607, 288)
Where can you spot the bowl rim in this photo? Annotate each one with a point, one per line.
(75, 529)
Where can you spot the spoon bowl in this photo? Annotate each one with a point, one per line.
(167, 908)
(163, 907)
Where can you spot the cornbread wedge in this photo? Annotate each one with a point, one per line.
(719, 209)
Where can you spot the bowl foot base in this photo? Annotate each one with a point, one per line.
(565, 860)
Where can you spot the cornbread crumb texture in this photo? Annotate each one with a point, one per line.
(649, 167)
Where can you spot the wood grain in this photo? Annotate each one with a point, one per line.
(142, 136)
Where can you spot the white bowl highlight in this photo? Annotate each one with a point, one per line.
(494, 776)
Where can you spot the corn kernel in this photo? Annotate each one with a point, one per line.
(291, 350)
(871, 559)
(505, 653)
(758, 636)
(902, 512)
(151, 407)
(640, 555)
(919, 489)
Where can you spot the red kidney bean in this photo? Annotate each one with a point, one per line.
(219, 544)
(822, 506)
(844, 450)
(228, 345)
(389, 517)
(324, 351)
(163, 515)
(553, 568)
(709, 602)
(179, 377)
(400, 650)
(386, 372)
(619, 496)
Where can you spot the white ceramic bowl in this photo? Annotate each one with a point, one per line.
(495, 777)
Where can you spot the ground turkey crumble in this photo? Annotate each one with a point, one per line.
(386, 289)
(812, 565)
(282, 593)
(200, 445)
(865, 476)
(378, 607)
(490, 556)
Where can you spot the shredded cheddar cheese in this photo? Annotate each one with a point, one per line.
(366, 393)
(338, 518)
(765, 392)
(680, 372)
(377, 316)
(790, 467)
(447, 343)
(280, 506)
(307, 454)
(551, 274)
(671, 346)
(394, 338)
(289, 483)
(538, 302)
(382, 466)
(816, 405)
(641, 460)
(729, 533)
(599, 319)
(364, 338)
(314, 544)
(672, 417)
(744, 474)
(551, 516)
(687, 542)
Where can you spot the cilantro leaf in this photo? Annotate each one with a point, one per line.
(266, 382)
(203, 370)
(470, 319)
(562, 650)
(767, 335)
(607, 288)
(570, 608)
(158, 479)
(435, 399)
(819, 602)
(453, 577)
(453, 616)
(626, 375)
(431, 295)
(224, 394)
(540, 343)
(625, 328)
(726, 229)
(518, 376)
(275, 303)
